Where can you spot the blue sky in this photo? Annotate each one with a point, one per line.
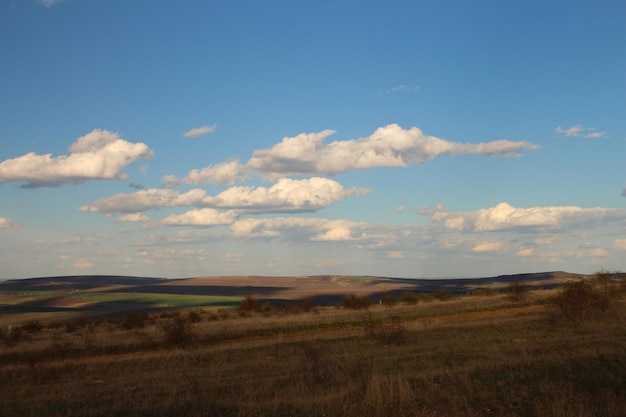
(398, 138)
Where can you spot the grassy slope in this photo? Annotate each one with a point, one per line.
(44, 298)
(472, 356)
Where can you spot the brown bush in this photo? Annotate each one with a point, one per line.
(517, 291)
(578, 300)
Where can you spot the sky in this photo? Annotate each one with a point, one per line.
(412, 139)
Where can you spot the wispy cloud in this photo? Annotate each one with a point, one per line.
(49, 3)
(200, 131)
(579, 131)
(99, 154)
(399, 89)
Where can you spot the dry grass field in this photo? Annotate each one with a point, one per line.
(472, 355)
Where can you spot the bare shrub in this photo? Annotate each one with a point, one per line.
(578, 300)
(517, 291)
(249, 305)
(409, 297)
(194, 316)
(602, 280)
(392, 332)
(32, 327)
(356, 302)
(11, 335)
(483, 292)
(178, 332)
(389, 300)
(134, 321)
(442, 295)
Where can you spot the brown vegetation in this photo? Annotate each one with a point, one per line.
(468, 356)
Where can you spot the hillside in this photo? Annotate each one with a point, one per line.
(100, 295)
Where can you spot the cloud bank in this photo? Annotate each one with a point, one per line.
(506, 217)
(98, 155)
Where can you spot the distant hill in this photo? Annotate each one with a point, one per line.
(106, 294)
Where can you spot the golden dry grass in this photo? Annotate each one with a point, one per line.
(471, 356)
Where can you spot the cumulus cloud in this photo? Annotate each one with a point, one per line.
(504, 217)
(498, 247)
(525, 252)
(314, 229)
(389, 146)
(6, 223)
(225, 173)
(133, 218)
(99, 154)
(145, 200)
(200, 131)
(200, 217)
(287, 195)
(619, 244)
(580, 131)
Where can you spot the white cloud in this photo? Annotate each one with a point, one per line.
(99, 154)
(50, 3)
(312, 229)
(400, 209)
(504, 216)
(580, 131)
(492, 246)
(225, 173)
(200, 217)
(389, 146)
(83, 264)
(600, 252)
(619, 244)
(200, 131)
(145, 200)
(133, 218)
(525, 252)
(6, 223)
(287, 195)
(399, 89)
(396, 254)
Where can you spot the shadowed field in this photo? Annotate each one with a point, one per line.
(110, 295)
